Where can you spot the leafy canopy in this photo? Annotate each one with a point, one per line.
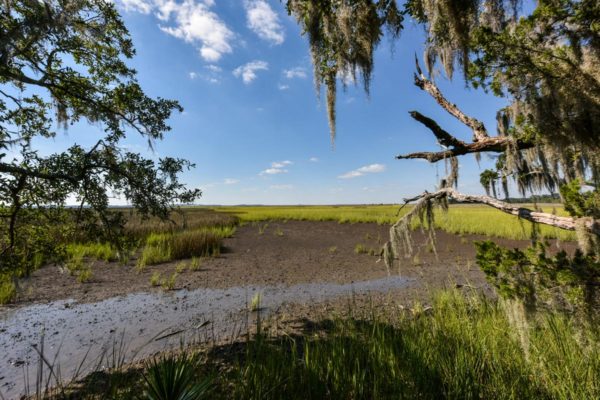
(61, 62)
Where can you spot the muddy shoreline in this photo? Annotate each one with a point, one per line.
(273, 253)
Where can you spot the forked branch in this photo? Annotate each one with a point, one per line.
(479, 131)
(482, 142)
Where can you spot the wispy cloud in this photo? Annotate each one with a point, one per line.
(313, 159)
(230, 181)
(281, 164)
(297, 72)
(195, 23)
(263, 21)
(140, 6)
(283, 87)
(281, 187)
(277, 167)
(367, 169)
(213, 68)
(248, 71)
(273, 171)
(210, 76)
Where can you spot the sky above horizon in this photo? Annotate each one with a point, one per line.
(253, 123)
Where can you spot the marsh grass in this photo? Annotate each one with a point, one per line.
(460, 348)
(155, 279)
(169, 283)
(8, 290)
(360, 249)
(255, 302)
(97, 251)
(195, 264)
(164, 247)
(460, 218)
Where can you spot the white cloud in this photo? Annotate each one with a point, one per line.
(248, 71)
(313, 159)
(281, 187)
(230, 181)
(283, 87)
(263, 21)
(213, 68)
(193, 75)
(351, 174)
(140, 6)
(195, 23)
(273, 171)
(281, 164)
(297, 72)
(367, 169)
(373, 168)
(277, 167)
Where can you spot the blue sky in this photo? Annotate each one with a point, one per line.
(253, 124)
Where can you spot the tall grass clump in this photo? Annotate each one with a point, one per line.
(204, 242)
(8, 289)
(98, 251)
(461, 348)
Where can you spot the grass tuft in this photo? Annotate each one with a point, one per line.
(175, 378)
(8, 290)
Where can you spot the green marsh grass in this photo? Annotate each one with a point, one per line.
(460, 218)
(98, 251)
(195, 264)
(202, 242)
(460, 348)
(8, 290)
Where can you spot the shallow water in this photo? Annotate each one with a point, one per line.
(78, 338)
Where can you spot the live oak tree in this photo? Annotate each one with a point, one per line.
(62, 62)
(547, 64)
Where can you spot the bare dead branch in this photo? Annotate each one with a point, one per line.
(443, 137)
(490, 144)
(479, 131)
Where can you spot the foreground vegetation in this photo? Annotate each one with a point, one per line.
(462, 347)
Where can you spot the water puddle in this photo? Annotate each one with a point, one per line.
(109, 332)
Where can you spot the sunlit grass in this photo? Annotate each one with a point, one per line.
(8, 289)
(460, 348)
(98, 251)
(460, 219)
(200, 242)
